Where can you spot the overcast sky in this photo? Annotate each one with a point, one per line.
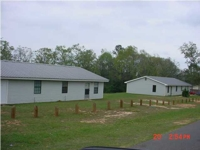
(157, 27)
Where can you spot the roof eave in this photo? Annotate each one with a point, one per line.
(56, 79)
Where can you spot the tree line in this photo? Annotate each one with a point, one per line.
(119, 65)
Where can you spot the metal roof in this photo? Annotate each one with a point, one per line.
(36, 71)
(167, 81)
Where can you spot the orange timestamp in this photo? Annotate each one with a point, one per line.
(172, 136)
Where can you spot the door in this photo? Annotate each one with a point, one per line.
(4, 91)
(87, 90)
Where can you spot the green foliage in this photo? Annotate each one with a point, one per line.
(192, 56)
(44, 55)
(6, 50)
(185, 93)
(22, 54)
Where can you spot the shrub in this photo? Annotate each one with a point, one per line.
(185, 93)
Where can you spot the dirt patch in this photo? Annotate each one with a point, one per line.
(118, 114)
(3, 112)
(186, 105)
(102, 121)
(182, 122)
(161, 106)
(113, 114)
(13, 122)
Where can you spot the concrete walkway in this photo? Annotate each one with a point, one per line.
(184, 138)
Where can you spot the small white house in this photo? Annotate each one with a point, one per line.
(31, 82)
(153, 85)
(196, 87)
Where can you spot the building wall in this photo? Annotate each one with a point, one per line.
(196, 87)
(4, 91)
(172, 90)
(99, 95)
(179, 90)
(143, 86)
(22, 91)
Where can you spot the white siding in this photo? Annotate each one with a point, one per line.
(179, 90)
(99, 95)
(4, 91)
(22, 91)
(143, 86)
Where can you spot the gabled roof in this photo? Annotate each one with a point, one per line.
(164, 80)
(36, 71)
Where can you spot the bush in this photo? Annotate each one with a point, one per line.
(185, 93)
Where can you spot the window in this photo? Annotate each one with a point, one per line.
(168, 89)
(154, 88)
(64, 87)
(96, 88)
(37, 87)
(176, 88)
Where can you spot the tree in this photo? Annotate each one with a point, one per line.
(86, 59)
(64, 55)
(45, 55)
(6, 50)
(192, 56)
(22, 54)
(124, 67)
(105, 68)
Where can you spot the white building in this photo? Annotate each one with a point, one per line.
(30, 82)
(152, 85)
(196, 87)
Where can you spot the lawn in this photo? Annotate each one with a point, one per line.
(121, 127)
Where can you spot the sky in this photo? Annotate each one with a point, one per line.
(158, 27)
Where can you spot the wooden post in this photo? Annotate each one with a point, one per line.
(149, 102)
(108, 105)
(140, 102)
(163, 102)
(121, 103)
(131, 103)
(76, 109)
(189, 99)
(13, 112)
(156, 102)
(94, 107)
(56, 111)
(168, 102)
(173, 102)
(35, 112)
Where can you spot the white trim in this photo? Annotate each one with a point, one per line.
(155, 81)
(49, 79)
(144, 77)
(134, 79)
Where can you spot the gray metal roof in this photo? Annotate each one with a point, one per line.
(167, 81)
(33, 71)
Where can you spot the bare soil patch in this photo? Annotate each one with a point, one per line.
(118, 114)
(186, 105)
(13, 122)
(102, 121)
(182, 122)
(113, 114)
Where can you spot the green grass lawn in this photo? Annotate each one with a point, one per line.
(121, 127)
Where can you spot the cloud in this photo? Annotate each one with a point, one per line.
(158, 27)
